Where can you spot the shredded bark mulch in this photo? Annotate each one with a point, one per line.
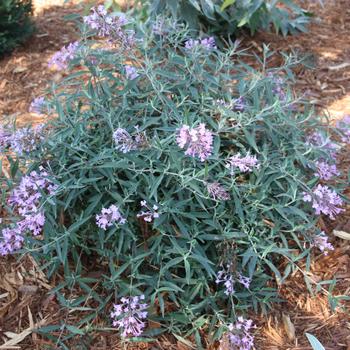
(24, 299)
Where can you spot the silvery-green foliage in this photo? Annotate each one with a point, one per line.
(229, 16)
(166, 237)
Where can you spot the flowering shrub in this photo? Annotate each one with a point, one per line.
(15, 25)
(186, 186)
(228, 16)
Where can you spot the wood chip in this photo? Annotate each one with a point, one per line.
(342, 234)
(289, 327)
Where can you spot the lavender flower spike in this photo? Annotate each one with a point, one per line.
(123, 140)
(324, 201)
(326, 171)
(244, 164)
(150, 214)
(206, 43)
(131, 72)
(243, 280)
(26, 140)
(27, 195)
(344, 126)
(11, 240)
(323, 142)
(38, 105)
(129, 316)
(239, 335)
(198, 141)
(217, 192)
(108, 217)
(321, 242)
(110, 26)
(226, 278)
(62, 58)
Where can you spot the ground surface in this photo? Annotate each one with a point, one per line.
(24, 301)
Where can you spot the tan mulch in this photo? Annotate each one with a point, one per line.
(24, 299)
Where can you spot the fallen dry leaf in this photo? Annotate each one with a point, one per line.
(288, 327)
(342, 234)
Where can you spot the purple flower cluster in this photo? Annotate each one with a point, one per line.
(277, 87)
(150, 214)
(11, 240)
(239, 336)
(129, 316)
(321, 242)
(38, 105)
(217, 191)
(324, 200)
(125, 143)
(62, 58)
(225, 276)
(131, 72)
(326, 171)
(27, 195)
(110, 26)
(244, 281)
(319, 140)
(26, 140)
(206, 43)
(238, 104)
(198, 141)
(344, 126)
(244, 164)
(108, 217)
(26, 200)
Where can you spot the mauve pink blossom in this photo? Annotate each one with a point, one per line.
(324, 201)
(129, 315)
(197, 141)
(244, 164)
(321, 242)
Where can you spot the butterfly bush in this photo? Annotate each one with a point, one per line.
(205, 43)
(129, 315)
(244, 164)
(108, 217)
(62, 58)
(239, 335)
(125, 143)
(26, 199)
(226, 278)
(38, 105)
(194, 205)
(343, 126)
(111, 27)
(326, 171)
(131, 72)
(26, 140)
(325, 201)
(321, 242)
(151, 212)
(218, 192)
(321, 141)
(198, 141)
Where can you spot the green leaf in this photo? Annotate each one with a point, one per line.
(227, 3)
(75, 330)
(316, 345)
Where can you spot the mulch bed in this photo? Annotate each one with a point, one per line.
(24, 298)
